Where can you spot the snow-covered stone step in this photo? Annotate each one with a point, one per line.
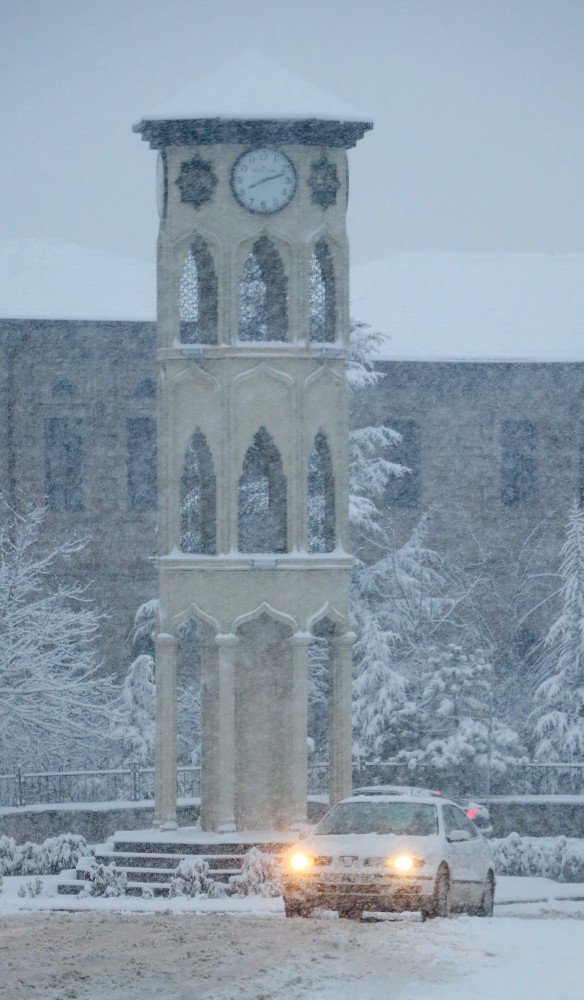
(124, 859)
(204, 848)
(163, 875)
(75, 887)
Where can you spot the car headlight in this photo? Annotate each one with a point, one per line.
(403, 863)
(300, 862)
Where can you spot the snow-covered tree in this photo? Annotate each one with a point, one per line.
(54, 706)
(385, 718)
(463, 734)
(133, 720)
(559, 712)
(370, 448)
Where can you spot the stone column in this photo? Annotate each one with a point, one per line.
(340, 721)
(225, 789)
(297, 758)
(165, 754)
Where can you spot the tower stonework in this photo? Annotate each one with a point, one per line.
(253, 543)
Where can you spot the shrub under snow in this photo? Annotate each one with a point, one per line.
(54, 855)
(105, 880)
(193, 879)
(558, 858)
(260, 875)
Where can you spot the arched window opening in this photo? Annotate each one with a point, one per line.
(263, 305)
(321, 497)
(322, 295)
(198, 499)
(262, 498)
(198, 296)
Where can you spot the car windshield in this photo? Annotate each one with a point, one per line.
(414, 819)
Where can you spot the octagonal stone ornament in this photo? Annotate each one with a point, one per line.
(197, 181)
(324, 182)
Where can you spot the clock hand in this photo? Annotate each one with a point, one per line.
(264, 179)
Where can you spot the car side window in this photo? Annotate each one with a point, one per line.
(454, 819)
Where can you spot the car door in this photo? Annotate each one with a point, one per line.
(468, 864)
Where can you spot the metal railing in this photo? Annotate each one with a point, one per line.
(136, 783)
(130, 784)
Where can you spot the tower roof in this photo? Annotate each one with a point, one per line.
(252, 98)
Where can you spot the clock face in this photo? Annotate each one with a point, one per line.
(263, 180)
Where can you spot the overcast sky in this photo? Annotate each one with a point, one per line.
(478, 107)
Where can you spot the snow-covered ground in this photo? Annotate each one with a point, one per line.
(182, 948)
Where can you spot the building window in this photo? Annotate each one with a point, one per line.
(321, 497)
(518, 462)
(322, 295)
(406, 491)
(141, 463)
(262, 498)
(263, 304)
(64, 463)
(198, 530)
(198, 296)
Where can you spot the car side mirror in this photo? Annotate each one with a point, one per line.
(458, 836)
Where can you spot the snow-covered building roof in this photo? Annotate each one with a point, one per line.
(441, 306)
(252, 98)
(466, 306)
(252, 87)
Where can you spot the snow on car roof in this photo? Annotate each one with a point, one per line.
(389, 797)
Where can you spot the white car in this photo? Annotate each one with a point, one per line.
(391, 853)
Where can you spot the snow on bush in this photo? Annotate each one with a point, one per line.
(260, 875)
(54, 855)
(558, 858)
(192, 879)
(31, 889)
(105, 880)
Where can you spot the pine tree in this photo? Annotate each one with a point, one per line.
(133, 722)
(463, 732)
(385, 719)
(559, 713)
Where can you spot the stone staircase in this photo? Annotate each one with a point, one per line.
(152, 863)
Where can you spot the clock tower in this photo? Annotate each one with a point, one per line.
(253, 335)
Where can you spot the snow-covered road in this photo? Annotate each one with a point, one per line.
(72, 956)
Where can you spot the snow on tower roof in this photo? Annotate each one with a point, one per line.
(253, 88)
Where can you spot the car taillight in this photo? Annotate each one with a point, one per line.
(472, 813)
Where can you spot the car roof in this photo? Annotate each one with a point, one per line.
(422, 797)
(395, 790)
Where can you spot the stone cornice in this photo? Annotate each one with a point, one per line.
(208, 131)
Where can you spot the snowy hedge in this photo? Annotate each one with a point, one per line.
(55, 855)
(558, 858)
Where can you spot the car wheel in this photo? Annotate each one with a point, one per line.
(442, 900)
(488, 900)
(295, 909)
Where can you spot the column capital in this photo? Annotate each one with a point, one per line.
(300, 639)
(346, 640)
(165, 640)
(226, 639)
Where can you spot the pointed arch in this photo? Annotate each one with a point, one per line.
(198, 501)
(198, 296)
(322, 295)
(321, 497)
(263, 295)
(262, 498)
